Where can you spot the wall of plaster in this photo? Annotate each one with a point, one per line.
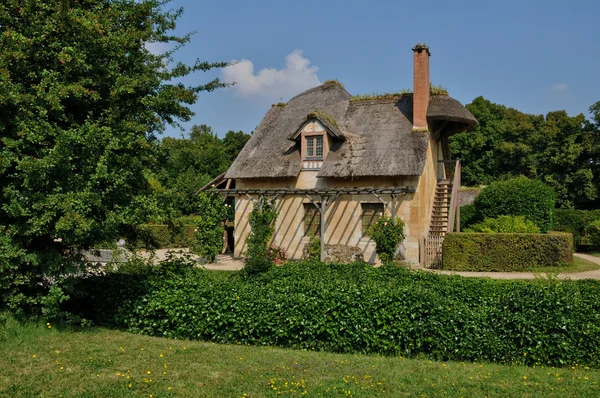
(343, 217)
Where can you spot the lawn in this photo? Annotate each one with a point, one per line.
(579, 265)
(51, 361)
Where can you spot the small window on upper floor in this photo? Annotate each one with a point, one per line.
(314, 146)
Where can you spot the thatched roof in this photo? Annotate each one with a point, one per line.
(376, 136)
(446, 109)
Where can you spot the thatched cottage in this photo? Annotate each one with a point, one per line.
(334, 163)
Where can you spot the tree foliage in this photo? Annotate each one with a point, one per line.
(520, 196)
(209, 235)
(81, 101)
(560, 150)
(262, 225)
(387, 233)
(186, 164)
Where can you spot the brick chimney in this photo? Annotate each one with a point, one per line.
(421, 86)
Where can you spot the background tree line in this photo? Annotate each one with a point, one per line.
(183, 165)
(560, 150)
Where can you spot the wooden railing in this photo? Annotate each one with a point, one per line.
(454, 211)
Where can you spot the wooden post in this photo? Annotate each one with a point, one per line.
(323, 209)
(393, 207)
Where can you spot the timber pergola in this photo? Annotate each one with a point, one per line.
(322, 198)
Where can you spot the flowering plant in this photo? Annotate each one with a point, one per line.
(276, 254)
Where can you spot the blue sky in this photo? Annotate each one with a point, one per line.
(535, 56)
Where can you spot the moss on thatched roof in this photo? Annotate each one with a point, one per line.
(333, 82)
(323, 116)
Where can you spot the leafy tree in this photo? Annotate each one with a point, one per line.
(81, 101)
(560, 150)
(233, 142)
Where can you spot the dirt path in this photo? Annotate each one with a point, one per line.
(531, 275)
(225, 262)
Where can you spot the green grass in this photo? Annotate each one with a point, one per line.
(579, 265)
(596, 254)
(96, 362)
(221, 275)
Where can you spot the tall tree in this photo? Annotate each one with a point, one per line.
(234, 141)
(81, 101)
(557, 149)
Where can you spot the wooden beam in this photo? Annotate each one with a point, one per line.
(323, 210)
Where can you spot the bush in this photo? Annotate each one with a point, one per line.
(593, 232)
(575, 222)
(506, 252)
(387, 233)
(262, 226)
(517, 197)
(505, 224)
(211, 227)
(313, 249)
(354, 308)
(467, 216)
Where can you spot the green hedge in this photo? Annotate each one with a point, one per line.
(517, 197)
(575, 222)
(506, 252)
(160, 236)
(356, 309)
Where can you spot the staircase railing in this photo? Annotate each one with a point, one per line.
(454, 211)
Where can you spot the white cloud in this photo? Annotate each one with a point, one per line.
(560, 87)
(157, 48)
(296, 76)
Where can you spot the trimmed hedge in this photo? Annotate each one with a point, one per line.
(354, 308)
(506, 252)
(517, 197)
(575, 222)
(161, 236)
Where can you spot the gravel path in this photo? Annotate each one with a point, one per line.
(226, 262)
(531, 275)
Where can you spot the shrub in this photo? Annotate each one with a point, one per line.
(506, 252)
(387, 233)
(517, 197)
(313, 249)
(575, 222)
(354, 308)
(593, 232)
(262, 226)
(505, 224)
(467, 216)
(209, 237)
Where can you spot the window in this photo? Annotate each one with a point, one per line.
(312, 220)
(319, 145)
(314, 146)
(370, 214)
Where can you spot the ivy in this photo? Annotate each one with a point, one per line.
(262, 226)
(210, 227)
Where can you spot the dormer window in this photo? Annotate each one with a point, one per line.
(314, 146)
(315, 136)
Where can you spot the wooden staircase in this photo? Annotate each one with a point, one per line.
(441, 208)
